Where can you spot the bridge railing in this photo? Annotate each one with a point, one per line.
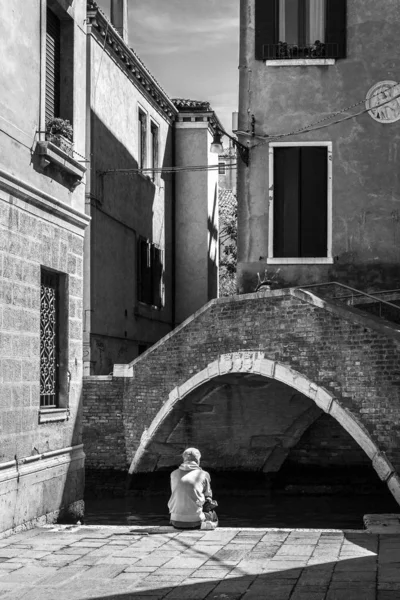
(370, 303)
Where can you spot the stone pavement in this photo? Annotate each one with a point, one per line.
(122, 563)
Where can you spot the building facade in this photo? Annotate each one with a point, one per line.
(128, 258)
(196, 216)
(42, 223)
(320, 198)
(140, 280)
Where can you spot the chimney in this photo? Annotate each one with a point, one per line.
(119, 17)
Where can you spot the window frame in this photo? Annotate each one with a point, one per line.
(67, 67)
(142, 140)
(222, 167)
(267, 36)
(328, 259)
(154, 152)
(150, 247)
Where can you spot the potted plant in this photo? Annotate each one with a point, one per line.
(60, 132)
(267, 282)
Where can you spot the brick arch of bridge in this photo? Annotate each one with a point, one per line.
(258, 364)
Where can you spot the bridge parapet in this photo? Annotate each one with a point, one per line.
(345, 362)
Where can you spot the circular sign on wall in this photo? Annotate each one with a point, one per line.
(383, 102)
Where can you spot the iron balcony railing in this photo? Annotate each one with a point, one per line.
(283, 51)
(370, 303)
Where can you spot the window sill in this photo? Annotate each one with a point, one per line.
(49, 153)
(51, 415)
(301, 62)
(300, 261)
(144, 309)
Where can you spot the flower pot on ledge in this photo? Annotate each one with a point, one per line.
(61, 142)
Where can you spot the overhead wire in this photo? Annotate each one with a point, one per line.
(321, 124)
(164, 170)
(266, 139)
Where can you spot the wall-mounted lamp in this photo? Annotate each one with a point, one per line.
(217, 147)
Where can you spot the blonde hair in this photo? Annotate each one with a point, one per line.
(191, 454)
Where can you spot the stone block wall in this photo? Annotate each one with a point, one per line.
(41, 463)
(27, 242)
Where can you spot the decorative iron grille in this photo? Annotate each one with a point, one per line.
(283, 51)
(49, 347)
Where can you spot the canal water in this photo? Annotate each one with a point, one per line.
(246, 502)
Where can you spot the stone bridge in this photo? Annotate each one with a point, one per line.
(244, 379)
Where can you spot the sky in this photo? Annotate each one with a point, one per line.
(191, 47)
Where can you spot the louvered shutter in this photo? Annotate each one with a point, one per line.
(266, 27)
(53, 57)
(336, 28)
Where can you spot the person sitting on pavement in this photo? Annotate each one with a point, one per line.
(191, 505)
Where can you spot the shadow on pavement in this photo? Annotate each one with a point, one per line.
(278, 575)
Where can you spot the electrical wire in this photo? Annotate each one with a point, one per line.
(314, 126)
(163, 170)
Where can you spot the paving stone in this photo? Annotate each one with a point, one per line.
(10, 565)
(309, 594)
(389, 573)
(340, 594)
(197, 591)
(295, 550)
(269, 592)
(361, 576)
(176, 563)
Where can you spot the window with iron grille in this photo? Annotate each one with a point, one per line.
(49, 339)
(150, 271)
(290, 29)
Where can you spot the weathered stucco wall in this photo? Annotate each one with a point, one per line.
(196, 220)
(22, 121)
(123, 207)
(366, 185)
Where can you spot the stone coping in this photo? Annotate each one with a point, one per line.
(346, 312)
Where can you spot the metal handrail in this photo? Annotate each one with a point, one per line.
(347, 287)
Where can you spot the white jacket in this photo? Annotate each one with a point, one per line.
(189, 487)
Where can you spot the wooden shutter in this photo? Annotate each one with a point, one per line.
(144, 272)
(156, 274)
(266, 26)
(53, 58)
(286, 202)
(313, 201)
(336, 28)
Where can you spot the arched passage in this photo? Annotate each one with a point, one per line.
(257, 363)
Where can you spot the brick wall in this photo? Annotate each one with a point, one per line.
(353, 356)
(326, 444)
(103, 431)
